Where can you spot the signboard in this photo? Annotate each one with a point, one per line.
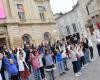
(2, 12)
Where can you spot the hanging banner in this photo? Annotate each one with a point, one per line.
(2, 12)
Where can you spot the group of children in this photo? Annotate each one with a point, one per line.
(18, 64)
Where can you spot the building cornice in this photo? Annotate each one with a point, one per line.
(26, 23)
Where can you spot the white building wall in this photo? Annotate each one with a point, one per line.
(94, 9)
(67, 20)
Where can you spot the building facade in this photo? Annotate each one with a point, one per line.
(69, 23)
(26, 22)
(90, 10)
(85, 15)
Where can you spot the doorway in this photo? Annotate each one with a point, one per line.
(2, 43)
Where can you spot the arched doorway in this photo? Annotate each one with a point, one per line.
(26, 39)
(47, 36)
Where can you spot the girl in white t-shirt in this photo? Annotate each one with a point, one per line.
(75, 61)
(81, 54)
(1, 56)
(41, 59)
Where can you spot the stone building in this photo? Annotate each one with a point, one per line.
(69, 23)
(26, 22)
(90, 10)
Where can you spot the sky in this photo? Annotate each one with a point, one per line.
(62, 5)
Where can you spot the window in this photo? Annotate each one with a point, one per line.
(47, 36)
(74, 27)
(21, 12)
(26, 39)
(39, 0)
(68, 30)
(41, 12)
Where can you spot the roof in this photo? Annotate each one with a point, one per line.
(60, 15)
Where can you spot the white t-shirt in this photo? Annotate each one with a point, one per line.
(81, 53)
(40, 60)
(64, 54)
(0, 64)
(68, 47)
(90, 42)
(73, 56)
(97, 37)
(0, 69)
(0, 77)
(63, 48)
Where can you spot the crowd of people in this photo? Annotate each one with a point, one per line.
(42, 60)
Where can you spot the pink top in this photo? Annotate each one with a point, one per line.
(35, 61)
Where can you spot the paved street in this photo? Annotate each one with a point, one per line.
(31, 27)
(92, 72)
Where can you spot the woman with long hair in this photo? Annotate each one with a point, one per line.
(34, 59)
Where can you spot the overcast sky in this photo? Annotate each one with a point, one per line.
(62, 5)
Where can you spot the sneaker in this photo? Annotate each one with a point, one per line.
(77, 75)
(67, 69)
(86, 65)
(92, 60)
(83, 67)
(64, 73)
(61, 74)
(45, 78)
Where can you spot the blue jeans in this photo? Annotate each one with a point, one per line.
(60, 66)
(51, 75)
(0, 77)
(37, 74)
(76, 66)
(86, 55)
(7, 76)
(65, 63)
(98, 48)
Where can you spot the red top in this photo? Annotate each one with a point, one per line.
(98, 25)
